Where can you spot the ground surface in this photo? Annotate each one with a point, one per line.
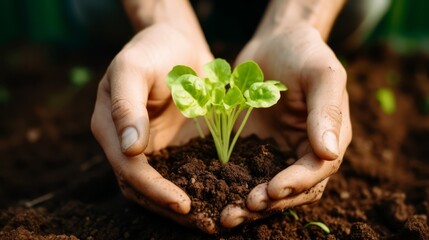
(56, 184)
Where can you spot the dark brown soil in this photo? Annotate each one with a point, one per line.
(212, 185)
(56, 184)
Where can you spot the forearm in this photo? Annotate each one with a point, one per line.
(177, 13)
(320, 14)
(144, 13)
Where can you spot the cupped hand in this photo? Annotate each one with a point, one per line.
(134, 115)
(311, 118)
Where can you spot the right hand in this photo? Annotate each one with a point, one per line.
(134, 115)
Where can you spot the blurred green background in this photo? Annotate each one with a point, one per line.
(405, 26)
(35, 20)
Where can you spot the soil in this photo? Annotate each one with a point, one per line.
(55, 182)
(212, 185)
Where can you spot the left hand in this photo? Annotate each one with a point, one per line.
(311, 118)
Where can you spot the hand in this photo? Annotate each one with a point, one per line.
(312, 118)
(132, 92)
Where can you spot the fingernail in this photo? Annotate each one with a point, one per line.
(128, 138)
(331, 143)
(284, 192)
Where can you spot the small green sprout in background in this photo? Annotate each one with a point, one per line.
(221, 96)
(292, 213)
(320, 225)
(386, 99)
(4, 95)
(79, 76)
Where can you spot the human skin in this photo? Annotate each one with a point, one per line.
(134, 111)
(312, 117)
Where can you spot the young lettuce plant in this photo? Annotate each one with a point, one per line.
(221, 96)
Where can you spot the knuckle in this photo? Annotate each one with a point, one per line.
(127, 57)
(314, 194)
(333, 113)
(127, 194)
(121, 108)
(337, 69)
(125, 188)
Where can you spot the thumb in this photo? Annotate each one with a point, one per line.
(325, 93)
(129, 95)
(131, 124)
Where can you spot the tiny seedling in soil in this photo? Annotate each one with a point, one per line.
(220, 96)
(320, 225)
(292, 213)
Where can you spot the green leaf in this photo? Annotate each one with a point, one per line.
(245, 74)
(177, 72)
(190, 95)
(218, 70)
(217, 95)
(280, 86)
(233, 98)
(262, 95)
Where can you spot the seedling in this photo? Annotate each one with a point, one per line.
(320, 225)
(220, 96)
(292, 213)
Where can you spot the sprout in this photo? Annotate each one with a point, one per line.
(292, 213)
(221, 96)
(320, 225)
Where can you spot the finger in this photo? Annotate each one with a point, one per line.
(129, 93)
(145, 179)
(301, 176)
(325, 89)
(135, 170)
(259, 194)
(310, 169)
(233, 215)
(310, 196)
(203, 223)
(258, 198)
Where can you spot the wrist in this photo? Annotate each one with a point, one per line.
(290, 14)
(177, 14)
(145, 13)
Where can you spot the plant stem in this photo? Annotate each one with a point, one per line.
(198, 126)
(240, 129)
(221, 124)
(216, 138)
